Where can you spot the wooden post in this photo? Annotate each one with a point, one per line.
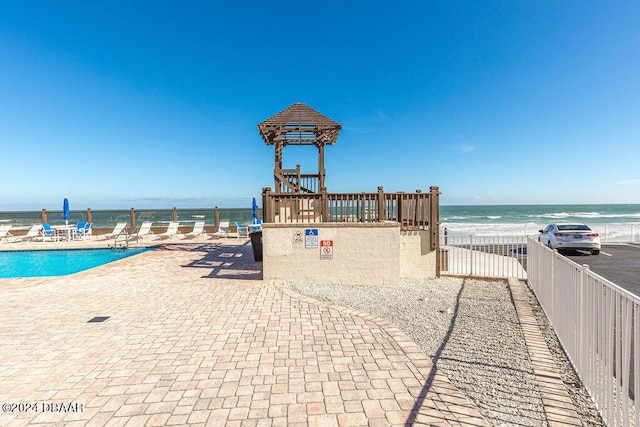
(400, 210)
(267, 205)
(324, 205)
(381, 204)
(321, 171)
(279, 147)
(175, 214)
(434, 224)
(44, 216)
(216, 218)
(89, 215)
(133, 218)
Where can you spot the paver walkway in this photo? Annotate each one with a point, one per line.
(193, 336)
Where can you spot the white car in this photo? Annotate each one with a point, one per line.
(570, 236)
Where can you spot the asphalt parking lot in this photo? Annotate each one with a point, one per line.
(619, 263)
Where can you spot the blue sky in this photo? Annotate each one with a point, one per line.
(155, 104)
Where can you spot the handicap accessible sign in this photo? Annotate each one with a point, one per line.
(311, 238)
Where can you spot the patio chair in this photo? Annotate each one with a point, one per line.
(223, 230)
(256, 225)
(79, 229)
(241, 229)
(49, 233)
(32, 233)
(83, 230)
(172, 231)
(143, 232)
(198, 230)
(116, 231)
(4, 232)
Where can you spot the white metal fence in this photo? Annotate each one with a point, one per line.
(487, 256)
(598, 324)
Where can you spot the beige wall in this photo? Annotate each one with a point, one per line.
(363, 254)
(416, 258)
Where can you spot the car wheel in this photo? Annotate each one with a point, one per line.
(549, 244)
(595, 252)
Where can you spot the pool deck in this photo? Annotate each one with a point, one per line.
(194, 337)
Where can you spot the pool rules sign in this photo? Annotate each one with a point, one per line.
(326, 249)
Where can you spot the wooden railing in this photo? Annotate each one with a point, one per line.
(292, 181)
(414, 211)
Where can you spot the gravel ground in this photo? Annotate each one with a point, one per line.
(470, 329)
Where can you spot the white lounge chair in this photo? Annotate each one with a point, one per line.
(172, 231)
(32, 233)
(116, 231)
(198, 230)
(241, 229)
(143, 232)
(4, 232)
(223, 229)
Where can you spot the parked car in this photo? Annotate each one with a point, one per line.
(570, 236)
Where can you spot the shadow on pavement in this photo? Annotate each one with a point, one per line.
(224, 261)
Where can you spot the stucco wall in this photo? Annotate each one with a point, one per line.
(363, 254)
(416, 257)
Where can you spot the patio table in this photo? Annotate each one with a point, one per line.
(64, 227)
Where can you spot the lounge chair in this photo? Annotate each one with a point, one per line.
(223, 229)
(4, 232)
(83, 230)
(143, 232)
(32, 233)
(241, 229)
(116, 231)
(198, 230)
(172, 231)
(49, 233)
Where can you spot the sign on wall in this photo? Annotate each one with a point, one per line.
(297, 236)
(311, 238)
(326, 249)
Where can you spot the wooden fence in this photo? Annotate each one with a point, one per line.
(414, 211)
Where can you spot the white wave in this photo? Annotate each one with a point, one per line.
(554, 215)
(494, 216)
(609, 232)
(592, 215)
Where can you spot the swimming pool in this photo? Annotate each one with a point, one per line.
(15, 264)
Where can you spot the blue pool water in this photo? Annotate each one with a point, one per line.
(58, 262)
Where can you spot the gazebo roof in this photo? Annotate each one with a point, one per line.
(299, 124)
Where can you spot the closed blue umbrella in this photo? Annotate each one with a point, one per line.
(65, 211)
(254, 206)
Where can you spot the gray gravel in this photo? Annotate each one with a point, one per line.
(470, 330)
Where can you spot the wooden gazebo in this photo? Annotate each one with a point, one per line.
(299, 124)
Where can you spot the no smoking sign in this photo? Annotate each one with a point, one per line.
(326, 249)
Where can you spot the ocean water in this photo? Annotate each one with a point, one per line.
(105, 218)
(614, 222)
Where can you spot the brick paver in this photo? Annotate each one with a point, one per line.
(195, 337)
(558, 406)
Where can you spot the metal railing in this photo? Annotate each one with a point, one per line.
(483, 256)
(598, 324)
